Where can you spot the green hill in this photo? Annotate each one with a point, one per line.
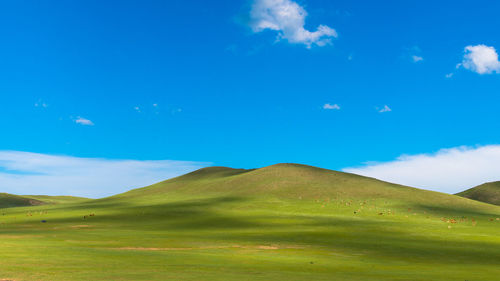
(57, 199)
(9, 201)
(295, 181)
(283, 222)
(488, 192)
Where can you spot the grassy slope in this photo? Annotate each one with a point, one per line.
(488, 192)
(10, 200)
(57, 199)
(294, 181)
(284, 222)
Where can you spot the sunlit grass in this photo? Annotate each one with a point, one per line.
(227, 232)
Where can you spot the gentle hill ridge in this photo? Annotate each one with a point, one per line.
(10, 200)
(212, 172)
(293, 181)
(286, 179)
(487, 192)
(48, 199)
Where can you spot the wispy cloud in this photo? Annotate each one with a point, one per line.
(149, 108)
(413, 54)
(416, 58)
(41, 103)
(34, 173)
(176, 111)
(288, 19)
(449, 75)
(328, 106)
(83, 121)
(449, 170)
(386, 108)
(481, 59)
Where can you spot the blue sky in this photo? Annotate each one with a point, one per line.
(247, 84)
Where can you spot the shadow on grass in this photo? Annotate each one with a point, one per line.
(214, 219)
(453, 211)
(179, 215)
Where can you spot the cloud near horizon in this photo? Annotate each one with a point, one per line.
(288, 19)
(449, 170)
(35, 173)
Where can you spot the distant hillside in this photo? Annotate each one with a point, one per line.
(488, 192)
(293, 181)
(9, 201)
(57, 199)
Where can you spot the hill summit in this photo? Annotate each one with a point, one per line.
(291, 181)
(488, 192)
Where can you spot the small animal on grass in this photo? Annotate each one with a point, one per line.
(43, 221)
(91, 215)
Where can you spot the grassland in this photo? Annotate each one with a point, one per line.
(488, 192)
(9, 201)
(284, 222)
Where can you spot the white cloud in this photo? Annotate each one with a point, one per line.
(449, 170)
(384, 109)
(138, 109)
(175, 111)
(413, 54)
(449, 75)
(416, 58)
(33, 173)
(40, 103)
(481, 59)
(288, 19)
(331, 106)
(83, 121)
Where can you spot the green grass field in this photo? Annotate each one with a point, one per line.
(283, 222)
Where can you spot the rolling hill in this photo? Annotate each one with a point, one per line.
(295, 181)
(488, 192)
(283, 222)
(10, 200)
